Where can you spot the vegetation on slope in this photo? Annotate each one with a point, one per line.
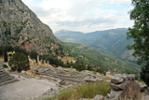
(91, 59)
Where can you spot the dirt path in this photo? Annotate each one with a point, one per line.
(26, 89)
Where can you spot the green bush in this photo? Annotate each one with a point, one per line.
(52, 59)
(19, 61)
(88, 90)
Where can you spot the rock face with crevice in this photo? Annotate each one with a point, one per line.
(20, 27)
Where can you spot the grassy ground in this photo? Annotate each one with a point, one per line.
(1, 59)
(89, 90)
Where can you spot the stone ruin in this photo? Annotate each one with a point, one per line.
(5, 78)
(68, 76)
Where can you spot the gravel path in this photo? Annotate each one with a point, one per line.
(26, 89)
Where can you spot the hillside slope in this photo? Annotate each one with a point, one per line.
(20, 27)
(91, 59)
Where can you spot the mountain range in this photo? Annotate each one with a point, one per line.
(113, 42)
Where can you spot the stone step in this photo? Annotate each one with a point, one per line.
(3, 74)
(61, 77)
(7, 82)
(1, 68)
(5, 78)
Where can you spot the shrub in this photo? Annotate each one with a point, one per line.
(19, 61)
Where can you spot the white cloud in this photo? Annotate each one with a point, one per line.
(82, 15)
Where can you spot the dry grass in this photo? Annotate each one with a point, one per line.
(89, 90)
(1, 59)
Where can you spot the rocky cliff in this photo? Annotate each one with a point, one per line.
(20, 27)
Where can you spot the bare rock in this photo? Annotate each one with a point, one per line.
(41, 70)
(62, 82)
(142, 86)
(131, 92)
(124, 87)
(146, 97)
(84, 99)
(90, 79)
(117, 80)
(119, 87)
(130, 77)
(98, 97)
(113, 95)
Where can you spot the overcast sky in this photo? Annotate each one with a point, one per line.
(82, 15)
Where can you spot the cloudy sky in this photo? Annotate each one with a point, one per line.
(82, 15)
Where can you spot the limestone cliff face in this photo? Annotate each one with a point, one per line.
(19, 26)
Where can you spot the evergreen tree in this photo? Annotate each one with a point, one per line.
(140, 34)
(19, 62)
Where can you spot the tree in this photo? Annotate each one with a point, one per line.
(140, 34)
(19, 61)
(9, 37)
(5, 39)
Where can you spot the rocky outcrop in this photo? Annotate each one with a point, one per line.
(125, 87)
(131, 91)
(20, 27)
(98, 97)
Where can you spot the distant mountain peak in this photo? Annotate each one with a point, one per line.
(68, 31)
